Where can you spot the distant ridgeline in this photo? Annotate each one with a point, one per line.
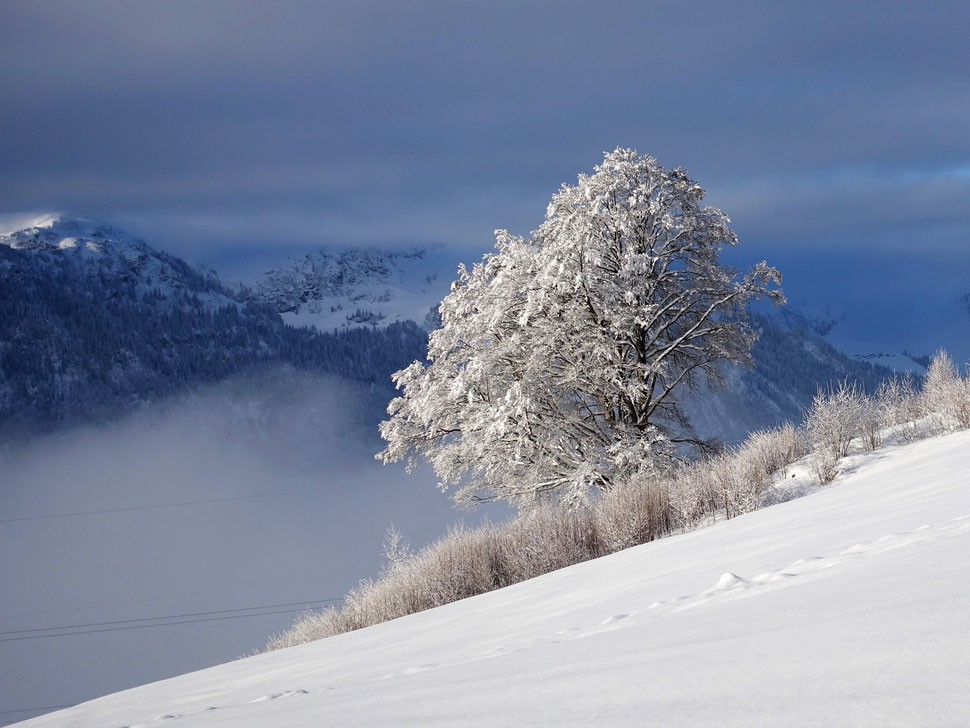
(791, 363)
(93, 325)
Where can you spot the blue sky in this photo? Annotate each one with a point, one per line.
(234, 132)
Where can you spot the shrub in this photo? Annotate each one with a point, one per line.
(946, 395)
(772, 451)
(639, 509)
(834, 418)
(825, 465)
(900, 406)
(693, 500)
(635, 512)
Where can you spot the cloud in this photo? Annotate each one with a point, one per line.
(233, 123)
(901, 208)
(260, 490)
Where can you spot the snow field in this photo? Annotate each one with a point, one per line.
(846, 607)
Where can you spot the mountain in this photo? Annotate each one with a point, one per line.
(339, 288)
(791, 362)
(844, 607)
(96, 323)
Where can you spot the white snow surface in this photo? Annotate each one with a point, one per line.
(850, 606)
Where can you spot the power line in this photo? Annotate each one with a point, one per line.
(144, 626)
(35, 710)
(145, 508)
(305, 604)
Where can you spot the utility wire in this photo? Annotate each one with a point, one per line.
(144, 626)
(145, 508)
(35, 710)
(306, 603)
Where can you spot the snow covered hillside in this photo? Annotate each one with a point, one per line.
(845, 607)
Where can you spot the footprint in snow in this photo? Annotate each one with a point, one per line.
(730, 585)
(276, 696)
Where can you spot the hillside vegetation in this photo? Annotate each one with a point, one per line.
(770, 466)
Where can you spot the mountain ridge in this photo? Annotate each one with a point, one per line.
(99, 323)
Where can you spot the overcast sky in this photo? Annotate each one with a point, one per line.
(226, 131)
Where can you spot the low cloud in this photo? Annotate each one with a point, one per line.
(259, 491)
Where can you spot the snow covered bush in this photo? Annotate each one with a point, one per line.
(739, 481)
(825, 465)
(946, 395)
(693, 498)
(635, 512)
(463, 563)
(870, 422)
(560, 360)
(834, 418)
(550, 538)
(773, 450)
(899, 404)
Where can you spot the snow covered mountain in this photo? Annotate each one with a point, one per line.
(96, 323)
(844, 607)
(87, 248)
(904, 343)
(792, 361)
(338, 288)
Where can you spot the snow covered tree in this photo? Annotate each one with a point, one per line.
(562, 360)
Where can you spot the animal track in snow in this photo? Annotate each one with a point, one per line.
(177, 716)
(731, 585)
(276, 696)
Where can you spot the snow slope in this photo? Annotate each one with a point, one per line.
(846, 607)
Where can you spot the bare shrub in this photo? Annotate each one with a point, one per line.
(946, 395)
(464, 563)
(772, 451)
(870, 422)
(308, 627)
(834, 418)
(900, 406)
(634, 512)
(740, 481)
(825, 465)
(550, 538)
(692, 496)
(961, 403)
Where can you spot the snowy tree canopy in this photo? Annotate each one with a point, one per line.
(562, 359)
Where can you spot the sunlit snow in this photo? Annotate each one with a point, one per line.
(845, 607)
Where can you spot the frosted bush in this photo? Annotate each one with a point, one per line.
(740, 481)
(772, 451)
(825, 465)
(946, 395)
(900, 406)
(692, 497)
(634, 512)
(834, 418)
